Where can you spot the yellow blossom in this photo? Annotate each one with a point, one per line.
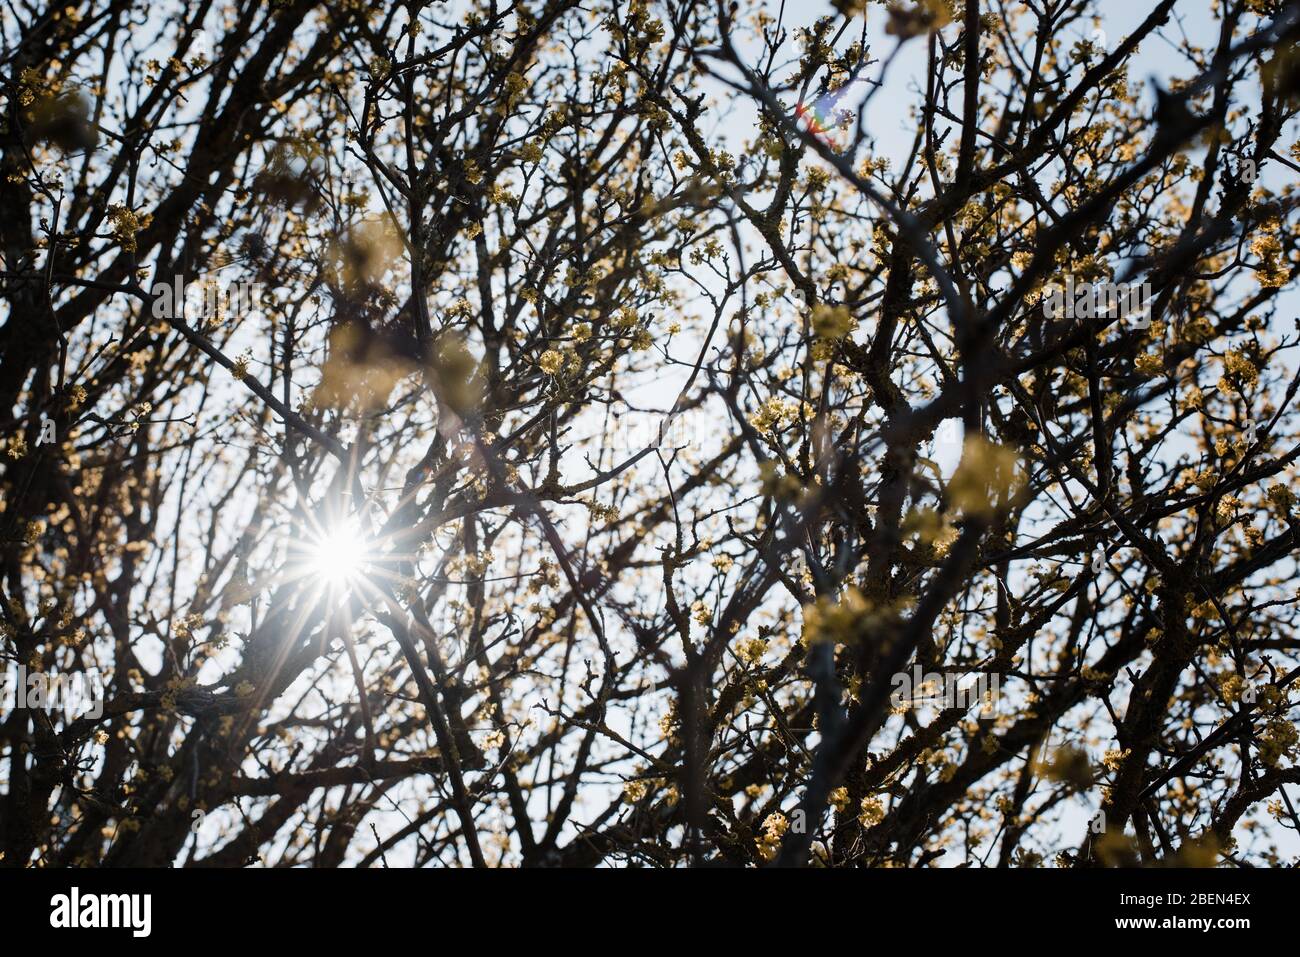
(550, 362)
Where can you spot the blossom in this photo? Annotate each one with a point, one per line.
(872, 811)
(769, 843)
(1149, 364)
(985, 477)
(832, 322)
(634, 791)
(550, 362)
(750, 650)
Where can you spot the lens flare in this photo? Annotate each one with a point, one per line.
(339, 554)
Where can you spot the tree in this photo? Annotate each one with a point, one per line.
(451, 442)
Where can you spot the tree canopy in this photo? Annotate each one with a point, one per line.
(556, 434)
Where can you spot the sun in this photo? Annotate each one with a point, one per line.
(339, 554)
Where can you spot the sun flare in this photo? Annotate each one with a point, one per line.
(339, 555)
